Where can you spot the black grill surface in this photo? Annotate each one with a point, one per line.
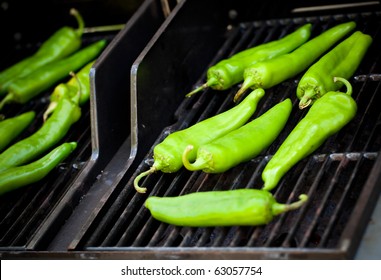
(339, 177)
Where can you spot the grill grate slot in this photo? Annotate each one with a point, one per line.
(23, 211)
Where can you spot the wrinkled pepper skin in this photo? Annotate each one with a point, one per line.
(242, 144)
(62, 43)
(16, 177)
(327, 116)
(241, 207)
(10, 128)
(24, 89)
(229, 72)
(49, 134)
(342, 61)
(272, 72)
(168, 154)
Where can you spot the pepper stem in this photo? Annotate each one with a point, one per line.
(211, 82)
(346, 83)
(278, 208)
(197, 165)
(7, 99)
(247, 83)
(81, 23)
(141, 175)
(306, 99)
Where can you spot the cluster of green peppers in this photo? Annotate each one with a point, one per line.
(330, 111)
(21, 163)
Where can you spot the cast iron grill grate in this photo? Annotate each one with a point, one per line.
(23, 211)
(334, 176)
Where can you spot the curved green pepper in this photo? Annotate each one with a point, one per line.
(24, 89)
(62, 43)
(79, 83)
(241, 207)
(271, 72)
(241, 144)
(10, 128)
(16, 177)
(326, 117)
(50, 133)
(342, 61)
(228, 72)
(167, 154)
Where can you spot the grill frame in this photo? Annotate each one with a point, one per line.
(347, 245)
(127, 156)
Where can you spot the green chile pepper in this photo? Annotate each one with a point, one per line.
(241, 144)
(79, 83)
(10, 128)
(271, 72)
(342, 61)
(62, 43)
(240, 207)
(228, 72)
(24, 89)
(49, 134)
(326, 117)
(16, 177)
(167, 154)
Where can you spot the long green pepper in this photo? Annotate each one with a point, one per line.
(49, 134)
(24, 89)
(168, 154)
(10, 128)
(229, 72)
(271, 72)
(240, 207)
(326, 117)
(62, 43)
(241, 144)
(20, 176)
(342, 61)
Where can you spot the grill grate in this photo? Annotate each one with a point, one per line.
(334, 176)
(23, 211)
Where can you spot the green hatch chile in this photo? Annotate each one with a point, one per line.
(240, 207)
(11, 128)
(24, 89)
(229, 72)
(50, 133)
(79, 83)
(327, 116)
(241, 144)
(20, 176)
(168, 154)
(62, 43)
(271, 72)
(342, 61)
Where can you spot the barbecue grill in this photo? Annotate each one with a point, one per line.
(88, 208)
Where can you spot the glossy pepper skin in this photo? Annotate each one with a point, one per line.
(326, 117)
(16, 177)
(49, 134)
(342, 61)
(229, 72)
(24, 89)
(10, 128)
(78, 84)
(271, 72)
(241, 144)
(168, 154)
(62, 43)
(241, 207)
